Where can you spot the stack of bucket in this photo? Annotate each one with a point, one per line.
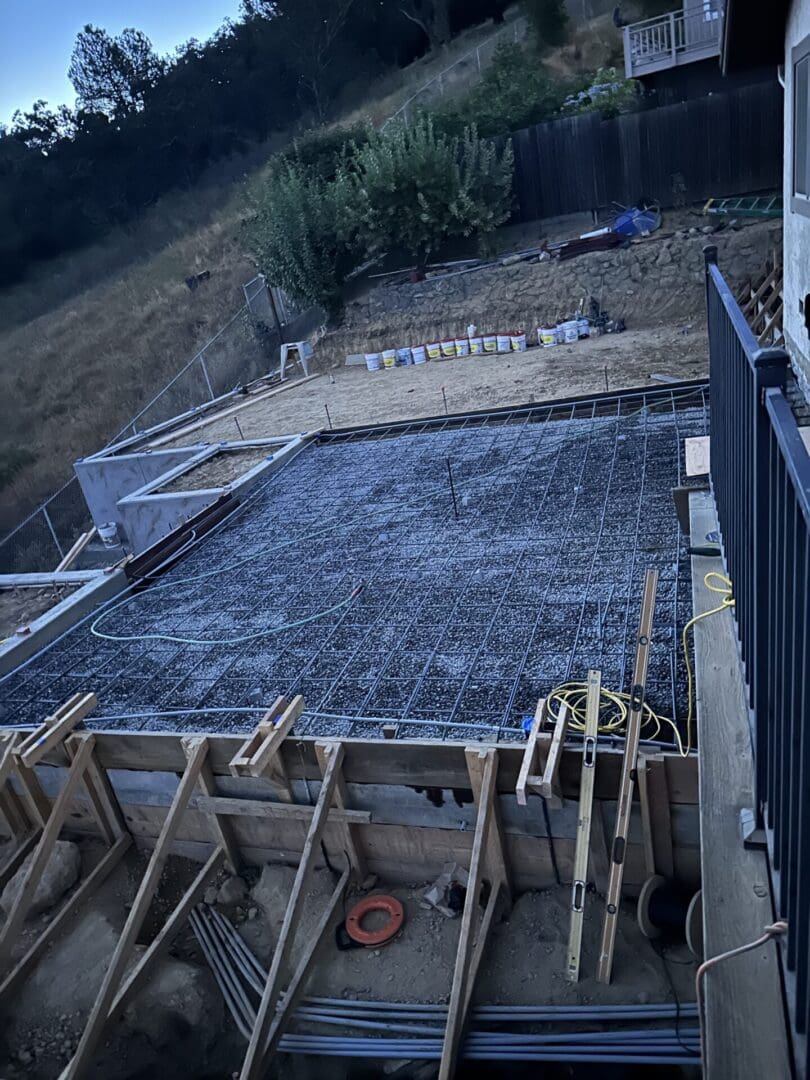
(473, 344)
(564, 333)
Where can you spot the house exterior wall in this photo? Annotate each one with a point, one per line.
(796, 224)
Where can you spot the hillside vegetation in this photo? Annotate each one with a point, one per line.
(92, 335)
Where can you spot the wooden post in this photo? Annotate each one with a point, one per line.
(95, 878)
(530, 753)
(171, 927)
(253, 1065)
(295, 990)
(91, 1035)
(50, 834)
(220, 828)
(550, 787)
(584, 823)
(619, 847)
(495, 861)
(351, 836)
(462, 984)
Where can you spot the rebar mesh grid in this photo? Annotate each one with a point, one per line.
(463, 622)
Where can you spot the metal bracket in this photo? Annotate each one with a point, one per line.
(753, 835)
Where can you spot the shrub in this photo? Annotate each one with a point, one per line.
(13, 459)
(608, 93)
(323, 150)
(549, 21)
(306, 234)
(422, 187)
(515, 92)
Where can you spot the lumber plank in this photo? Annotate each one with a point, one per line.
(646, 823)
(298, 983)
(495, 860)
(618, 849)
(583, 842)
(550, 786)
(253, 1064)
(103, 797)
(660, 817)
(91, 1035)
(175, 922)
(481, 941)
(232, 806)
(241, 760)
(460, 992)
(54, 729)
(75, 551)
(97, 876)
(17, 858)
(50, 834)
(766, 283)
(33, 795)
(530, 753)
(351, 836)
(736, 878)
(220, 829)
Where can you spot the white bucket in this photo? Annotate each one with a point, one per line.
(583, 328)
(476, 346)
(569, 331)
(389, 357)
(504, 342)
(434, 350)
(518, 342)
(373, 361)
(419, 354)
(462, 346)
(448, 348)
(547, 336)
(108, 533)
(404, 357)
(490, 343)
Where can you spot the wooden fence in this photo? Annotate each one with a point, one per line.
(723, 144)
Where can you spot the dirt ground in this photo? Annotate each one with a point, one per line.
(523, 964)
(19, 607)
(354, 395)
(219, 470)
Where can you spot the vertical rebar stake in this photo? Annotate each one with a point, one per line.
(452, 488)
(239, 429)
(446, 413)
(328, 417)
(607, 388)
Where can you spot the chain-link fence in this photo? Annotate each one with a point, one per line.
(246, 347)
(464, 72)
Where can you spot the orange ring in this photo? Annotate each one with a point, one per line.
(370, 938)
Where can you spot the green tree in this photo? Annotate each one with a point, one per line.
(113, 74)
(306, 235)
(549, 21)
(422, 187)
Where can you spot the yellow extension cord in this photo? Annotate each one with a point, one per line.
(614, 704)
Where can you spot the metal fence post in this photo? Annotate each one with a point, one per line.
(205, 373)
(49, 523)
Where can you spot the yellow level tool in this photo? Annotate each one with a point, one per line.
(584, 823)
(631, 738)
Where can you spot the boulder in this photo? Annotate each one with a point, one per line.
(61, 872)
(180, 1002)
(232, 891)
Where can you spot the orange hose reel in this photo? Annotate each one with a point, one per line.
(386, 933)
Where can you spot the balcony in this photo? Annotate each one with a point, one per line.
(680, 37)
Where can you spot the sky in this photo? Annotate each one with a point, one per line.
(37, 36)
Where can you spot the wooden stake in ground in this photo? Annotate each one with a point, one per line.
(584, 823)
(625, 805)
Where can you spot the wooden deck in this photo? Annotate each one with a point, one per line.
(745, 1033)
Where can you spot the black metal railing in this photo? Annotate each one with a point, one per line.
(760, 472)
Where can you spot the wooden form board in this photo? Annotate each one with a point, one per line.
(415, 763)
(696, 451)
(736, 878)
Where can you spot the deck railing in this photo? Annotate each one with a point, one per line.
(760, 472)
(679, 37)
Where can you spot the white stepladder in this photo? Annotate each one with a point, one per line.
(296, 352)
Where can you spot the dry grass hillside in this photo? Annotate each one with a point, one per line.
(89, 339)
